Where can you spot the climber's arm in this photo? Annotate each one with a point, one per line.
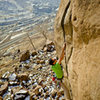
(62, 54)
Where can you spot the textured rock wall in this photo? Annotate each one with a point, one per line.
(80, 21)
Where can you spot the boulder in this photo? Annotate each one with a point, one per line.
(1, 82)
(48, 42)
(25, 56)
(34, 86)
(35, 92)
(46, 95)
(54, 93)
(41, 82)
(6, 75)
(45, 49)
(27, 67)
(42, 94)
(3, 88)
(12, 77)
(34, 53)
(23, 77)
(13, 83)
(1, 98)
(32, 96)
(40, 61)
(45, 88)
(19, 93)
(41, 99)
(49, 47)
(60, 93)
(16, 69)
(8, 96)
(39, 66)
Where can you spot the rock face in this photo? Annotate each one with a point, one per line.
(80, 22)
(3, 88)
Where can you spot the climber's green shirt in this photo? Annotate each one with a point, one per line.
(58, 70)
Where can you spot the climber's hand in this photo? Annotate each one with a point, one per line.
(62, 54)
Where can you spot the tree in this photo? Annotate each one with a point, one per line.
(31, 42)
(43, 29)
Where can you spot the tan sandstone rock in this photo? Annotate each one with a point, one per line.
(34, 53)
(80, 21)
(3, 88)
(23, 77)
(1, 98)
(25, 56)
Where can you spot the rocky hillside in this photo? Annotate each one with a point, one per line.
(79, 21)
(30, 77)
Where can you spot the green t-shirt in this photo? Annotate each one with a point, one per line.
(58, 70)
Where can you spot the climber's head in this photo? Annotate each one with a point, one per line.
(52, 61)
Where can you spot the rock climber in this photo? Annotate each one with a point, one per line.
(56, 66)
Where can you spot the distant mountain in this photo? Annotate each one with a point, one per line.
(16, 15)
(13, 9)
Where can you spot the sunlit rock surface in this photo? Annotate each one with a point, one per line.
(80, 22)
